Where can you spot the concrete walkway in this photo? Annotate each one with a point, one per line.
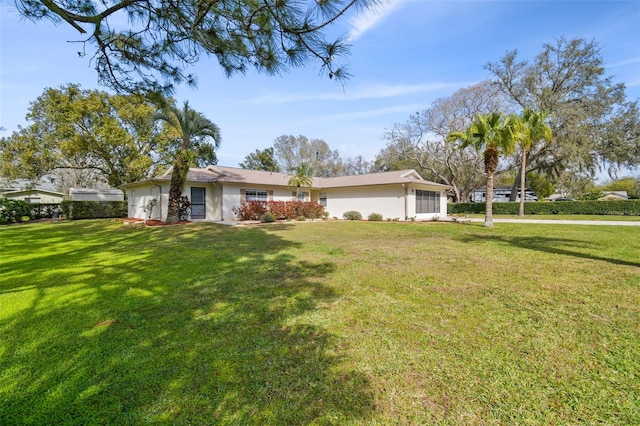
(563, 222)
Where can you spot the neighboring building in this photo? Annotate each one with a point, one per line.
(43, 191)
(97, 194)
(34, 195)
(615, 195)
(501, 194)
(215, 191)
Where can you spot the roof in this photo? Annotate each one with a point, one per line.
(94, 191)
(24, 191)
(213, 174)
(384, 178)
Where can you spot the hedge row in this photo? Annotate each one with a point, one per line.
(75, 210)
(253, 210)
(614, 208)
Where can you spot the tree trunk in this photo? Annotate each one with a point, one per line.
(178, 178)
(523, 181)
(514, 188)
(488, 214)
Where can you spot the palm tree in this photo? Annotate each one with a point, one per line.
(527, 130)
(491, 132)
(303, 177)
(190, 125)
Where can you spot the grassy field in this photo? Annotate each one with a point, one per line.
(348, 323)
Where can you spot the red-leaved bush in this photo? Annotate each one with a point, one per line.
(252, 210)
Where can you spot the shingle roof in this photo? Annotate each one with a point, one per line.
(260, 177)
(384, 178)
(236, 175)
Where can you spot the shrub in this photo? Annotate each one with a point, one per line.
(375, 217)
(267, 217)
(617, 207)
(44, 210)
(352, 215)
(75, 210)
(184, 208)
(251, 210)
(13, 210)
(280, 209)
(301, 219)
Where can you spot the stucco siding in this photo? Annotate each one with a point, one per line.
(411, 199)
(138, 198)
(389, 201)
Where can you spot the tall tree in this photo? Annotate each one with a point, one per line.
(192, 128)
(592, 123)
(302, 177)
(356, 165)
(161, 39)
(291, 151)
(261, 160)
(87, 137)
(491, 133)
(526, 130)
(421, 141)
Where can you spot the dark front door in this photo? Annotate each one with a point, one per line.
(198, 210)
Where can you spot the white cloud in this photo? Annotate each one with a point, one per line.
(368, 19)
(624, 62)
(374, 91)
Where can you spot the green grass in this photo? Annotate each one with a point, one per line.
(319, 323)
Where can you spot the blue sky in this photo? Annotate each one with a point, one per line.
(404, 55)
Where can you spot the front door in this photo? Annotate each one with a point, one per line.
(198, 210)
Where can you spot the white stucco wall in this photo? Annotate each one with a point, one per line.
(389, 201)
(427, 216)
(139, 196)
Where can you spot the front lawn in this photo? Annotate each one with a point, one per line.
(319, 323)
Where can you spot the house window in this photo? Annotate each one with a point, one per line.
(323, 199)
(427, 202)
(32, 200)
(255, 195)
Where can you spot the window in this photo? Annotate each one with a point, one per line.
(427, 202)
(32, 200)
(255, 195)
(323, 199)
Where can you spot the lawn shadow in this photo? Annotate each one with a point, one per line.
(199, 324)
(552, 245)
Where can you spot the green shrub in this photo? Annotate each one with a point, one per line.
(13, 210)
(267, 217)
(375, 217)
(75, 210)
(301, 219)
(616, 208)
(352, 215)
